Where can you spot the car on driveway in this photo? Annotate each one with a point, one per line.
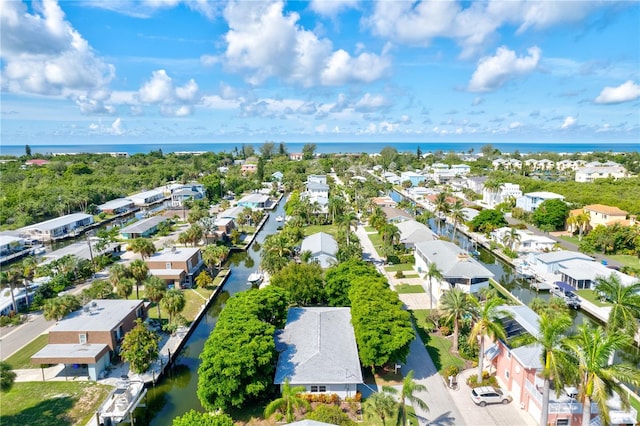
(484, 395)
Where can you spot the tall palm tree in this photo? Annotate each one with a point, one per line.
(124, 288)
(511, 238)
(12, 277)
(432, 273)
(288, 402)
(173, 302)
(390, 234)
(625, 311)
(457, 216)
(349, 220)
(408, 392)
(456, 305)
(117, 272)
(380, 405)
(144, 246)
(487, 324)
(139, 270)
(591, 349)
(493, 187)
(583, 220)
(29, 266)
(155, 289)
(441, 208)
(554, 358)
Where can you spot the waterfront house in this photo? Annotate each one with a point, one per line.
(395, 215)
(91, 335)
(59, 227)
(530, 201)
(549, 263)
(117, 206)
(413, 177)
(458, 269)
(10, 244)
(254, 201)
(385, 201)
(224, 225)
(231, 213)
(392, 178)
(583, 274)
(518, 370)
(528, 242)
(147, 198)
(318, 351)
(413, 232)
(323, 248)
(177, 266)
(142, 228)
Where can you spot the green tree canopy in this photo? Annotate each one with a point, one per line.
(487, 220)
(196, 418)
(140, 347)
(551, 214)
(303, 281)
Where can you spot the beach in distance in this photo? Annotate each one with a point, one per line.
(328, 147)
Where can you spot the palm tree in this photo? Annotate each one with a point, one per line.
(408, 391)
(349, 220)
(117, 272)
(379, 404)
(124, 288)
(12, 277)
(486, 323)
(457, 216)
(288, 402)
(511, 238)
(626, 303)
(441, 208)
(336, 208)
(155, 289)
(29, 266)
(139, 270)
(554, 357)
(591, 348)
(456, 305)
(493, 187)
(390, 234)
(144, 246)
(583, 220)
(173, 302)
(432, 273)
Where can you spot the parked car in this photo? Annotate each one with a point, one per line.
(484, 395)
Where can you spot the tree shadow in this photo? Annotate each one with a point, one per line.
(52, 411)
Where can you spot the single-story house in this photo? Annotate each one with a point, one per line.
(142, 228)
(458, 269)
(318, 351)
(582, 274)
(277, 176)
(178, 266)
(58, 227)
(395, 215)
(231, 213)
(146, 198)
(117, 206)
(549, 262)
(413, 177)
(385, 201)
(323, 248)
(89, 336)
(254, 201)
(413, 232)
(528, 242)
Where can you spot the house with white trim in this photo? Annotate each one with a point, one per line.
(59, 227)
(318, 351)
(530, 201)
(323, 248)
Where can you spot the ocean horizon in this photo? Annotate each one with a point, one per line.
(326, 147)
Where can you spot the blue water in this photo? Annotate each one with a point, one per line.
(329, 147)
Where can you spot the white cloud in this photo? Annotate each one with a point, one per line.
(495, 71)
(568, 122)
(332, 7)
(627, 91)
(174, 100)
(43, 54)
(515, 125)
(471, 27)
(266, 43)
(370, 103)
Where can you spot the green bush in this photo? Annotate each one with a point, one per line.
(445, 330)
(487, 380)
(399, 274)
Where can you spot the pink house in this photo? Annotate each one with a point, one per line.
(518, 371)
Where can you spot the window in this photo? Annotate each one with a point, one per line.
(562, 422)
(316, 388)
(506, 373)
(168, 265)
(83, 338)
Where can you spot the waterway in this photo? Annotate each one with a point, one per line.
(175, 394)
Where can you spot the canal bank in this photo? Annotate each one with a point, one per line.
(175, 393)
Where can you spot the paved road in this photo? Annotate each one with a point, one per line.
(14, 338)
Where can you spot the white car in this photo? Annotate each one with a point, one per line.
(484, 395)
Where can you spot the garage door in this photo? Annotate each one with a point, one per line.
(534, 410)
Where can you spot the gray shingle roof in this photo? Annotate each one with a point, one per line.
(451, 260)
(142, 225)
(319, 242)
(412, 231)
(318, 345)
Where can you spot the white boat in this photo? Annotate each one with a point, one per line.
(255, 278)
(279, 218)
(121, 402)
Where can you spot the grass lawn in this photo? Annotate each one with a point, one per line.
(376, 240)
(400, 267)
(21, 359)
(328, 229)
(370, 229)
(635, 403)
(195, 298)
(571, 239)
(592, 297)
(52, 403)
(439, 347)
(626, 260)
(407, 288)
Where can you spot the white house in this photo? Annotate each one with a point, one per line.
(505, 192)
(323, 248)
(413, 232)
(58, 227)
(145, 198)
(413, 177)
(528, 242)
(530, 201)
(589, 174)
(458, 269)
(318, 351)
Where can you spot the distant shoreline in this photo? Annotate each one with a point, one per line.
(328, 147)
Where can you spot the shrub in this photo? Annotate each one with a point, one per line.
(451, 370)
(487, 380)
(399, 274)
(445, 330)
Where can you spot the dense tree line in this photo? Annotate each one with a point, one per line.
(239, 357)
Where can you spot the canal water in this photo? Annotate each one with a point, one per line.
(175, 394)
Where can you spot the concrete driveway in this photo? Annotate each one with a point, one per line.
(491, 415)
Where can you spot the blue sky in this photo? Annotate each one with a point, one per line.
(104, 71)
